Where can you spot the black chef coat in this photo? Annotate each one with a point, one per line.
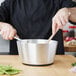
(32, 19)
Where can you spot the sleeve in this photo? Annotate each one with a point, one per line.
(5, 11)
(67, 3)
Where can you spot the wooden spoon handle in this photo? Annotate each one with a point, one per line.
(52, 35)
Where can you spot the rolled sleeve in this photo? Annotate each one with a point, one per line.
(67, 3)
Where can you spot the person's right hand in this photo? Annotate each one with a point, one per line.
(60, 19)
(7, 31)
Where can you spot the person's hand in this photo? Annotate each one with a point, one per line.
(60, 19)
(7, 31)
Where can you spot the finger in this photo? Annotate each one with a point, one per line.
(53, 27)
(6, 34)
(59, 24)
(63, 21)
(3, 34)
(66, 19)
(12, 34)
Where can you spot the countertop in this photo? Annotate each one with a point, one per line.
(60, 67)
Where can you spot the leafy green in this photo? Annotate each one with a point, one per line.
(74, 64)
(8, 70)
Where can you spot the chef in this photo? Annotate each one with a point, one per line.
(34, 19)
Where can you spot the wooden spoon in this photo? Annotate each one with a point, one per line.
(50, 38)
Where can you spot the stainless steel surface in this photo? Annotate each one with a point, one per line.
(37, 51)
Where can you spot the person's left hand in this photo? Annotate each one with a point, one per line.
(60, 19)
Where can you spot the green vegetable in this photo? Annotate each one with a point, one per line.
(8, 70)
(74, 64)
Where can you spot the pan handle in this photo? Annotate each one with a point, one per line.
(15, 37)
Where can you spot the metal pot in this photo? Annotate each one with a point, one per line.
(37, 51)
